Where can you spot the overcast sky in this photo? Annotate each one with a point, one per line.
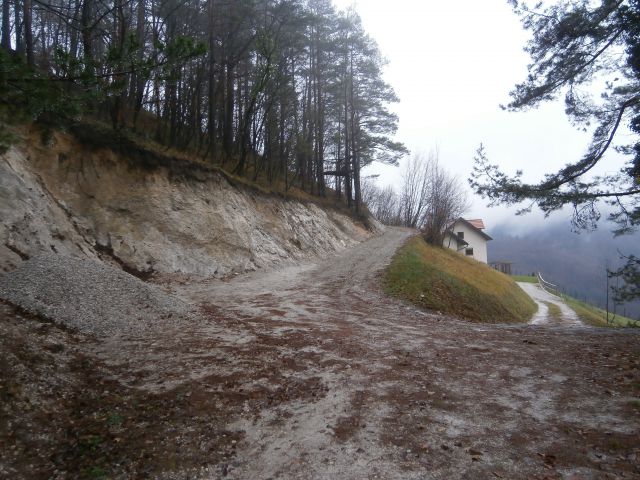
(452, 64)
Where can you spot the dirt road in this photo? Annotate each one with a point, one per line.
(310, 372)
(404, 394)
(542, 298)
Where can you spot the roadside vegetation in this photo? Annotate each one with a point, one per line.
(589, 314)
(598, 317)
(147, 153)
(524, 278)
(554, 311)
(439, 279)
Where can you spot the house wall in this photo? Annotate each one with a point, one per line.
(475, 241)
(450, 241)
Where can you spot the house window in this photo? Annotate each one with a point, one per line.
(469, 252)
(461, 235)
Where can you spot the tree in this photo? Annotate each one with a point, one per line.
(575, 46)
(5, 40)
(630, 275)
(382, 203)
(446, 202)
(361, 95)
(414, 194)
(275, 88)
(28, 32)
(430, 198)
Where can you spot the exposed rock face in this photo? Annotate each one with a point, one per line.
(71, 200)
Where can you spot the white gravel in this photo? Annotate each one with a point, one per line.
(89, 296)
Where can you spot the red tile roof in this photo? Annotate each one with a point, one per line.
(478, 223)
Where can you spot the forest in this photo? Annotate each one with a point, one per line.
(290, 91)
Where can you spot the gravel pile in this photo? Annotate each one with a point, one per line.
(90, 296)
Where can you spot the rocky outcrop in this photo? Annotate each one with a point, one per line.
(151, 218)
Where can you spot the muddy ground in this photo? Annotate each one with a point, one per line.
(311, 372)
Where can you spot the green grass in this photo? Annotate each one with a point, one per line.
(443, 280)
(554, 310)
(524, 278)
(596, 316)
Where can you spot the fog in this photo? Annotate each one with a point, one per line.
(577, 263)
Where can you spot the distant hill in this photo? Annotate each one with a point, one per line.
(575, 262)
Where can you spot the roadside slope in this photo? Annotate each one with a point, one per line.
(151, 214)
(442, 280)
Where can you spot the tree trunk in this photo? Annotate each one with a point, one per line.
(19, 27)
(227, 133)
(28, 32)
(211, 112)
(87, 37)
(139, 82)
(73, 31)
(5, 42)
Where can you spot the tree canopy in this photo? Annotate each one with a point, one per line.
(573, 44)
(589, 53)
(284, 89)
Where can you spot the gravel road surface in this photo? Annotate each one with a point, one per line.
(311, 372)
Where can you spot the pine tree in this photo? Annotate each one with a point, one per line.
(574, 44)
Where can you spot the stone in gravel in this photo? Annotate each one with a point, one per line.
(90, 296)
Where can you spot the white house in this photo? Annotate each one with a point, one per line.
(467, 237)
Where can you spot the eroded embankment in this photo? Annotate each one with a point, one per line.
(150, 217)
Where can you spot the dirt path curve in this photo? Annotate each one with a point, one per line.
(542, 298)
(336, 380)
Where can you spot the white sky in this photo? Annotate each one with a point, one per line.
(452, 64)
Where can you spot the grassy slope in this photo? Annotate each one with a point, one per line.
(554, 311)
(596, 316)
(524, 278)
(440, 279)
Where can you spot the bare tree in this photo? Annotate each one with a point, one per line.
(388, 207)
(415, 190)
(383, 203)
(431, 199)
(446, 201)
